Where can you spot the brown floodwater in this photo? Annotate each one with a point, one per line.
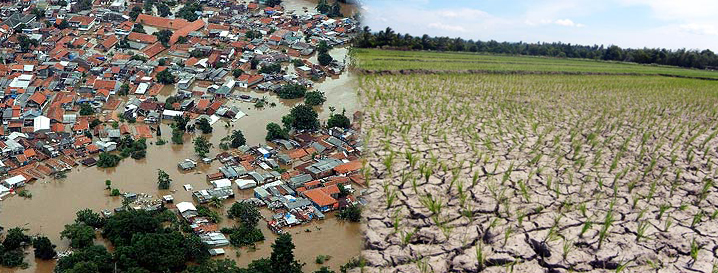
(54, 202)
(298, 6)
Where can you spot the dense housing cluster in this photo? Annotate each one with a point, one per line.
(92, 79)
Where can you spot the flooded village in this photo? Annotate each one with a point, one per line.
(99, 95)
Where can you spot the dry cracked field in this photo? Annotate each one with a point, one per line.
(540, 173)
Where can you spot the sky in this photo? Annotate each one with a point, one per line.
(673, 24)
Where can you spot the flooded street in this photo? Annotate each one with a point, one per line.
(54, 202)
(298, 6)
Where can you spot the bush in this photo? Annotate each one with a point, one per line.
(325, 59)
(44, 249)
(292, 91)
(108, 160)
(339, 120)
(351, 213)
(86, 109)
(274, 131)
(271, 69)
(245, 236)
(315, 98)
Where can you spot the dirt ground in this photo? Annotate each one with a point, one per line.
(540, 173)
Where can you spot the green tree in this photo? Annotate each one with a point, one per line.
(237, 139)
(323, 7)
(339, 120)
(124, 90)
(163, 180)
(237, 72)
(302, 117)
(336, 10)
(163, 36)
(350, 213)
(201, 146)
(15, 238)
(86, 109)
(188, 11)
(108, 184)
(80, 235)
(12, 258)
(271, 69)
(121, 227)
(292, 91)
(165, 77)
(177, 135)
(204, 126)
(274, 131)
(324, 58)
(108, 160)
(314, 98)
(180, 122)
(90, 218)
(136, 11)
(245, 213)
(95, 258)
(63, 25)
(139, 28)
(283, 255)
(44, 249)
(163, 10)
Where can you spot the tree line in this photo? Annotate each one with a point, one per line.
(389, 39)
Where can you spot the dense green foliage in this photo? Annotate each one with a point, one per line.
(90, 217)
(137, 149)
(271, 68)
(44, 249)
(237, 139)
(681, 57)
(292, 91)
(351, 213)
(301, 117)
(339, 120)
(314, 98)
(282, 259)
(204, 126)
(108, 160)
(165, 77)
(275, 131)
(188, 11)
(86, 109)
(247, 216)
(163, 180)
(201, 146)
(12, 248)
(163, 36)
(80, 234)
(90, 259)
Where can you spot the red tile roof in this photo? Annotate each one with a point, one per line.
(319, 197)
(142, 37)
(153, 50)
(161, 22)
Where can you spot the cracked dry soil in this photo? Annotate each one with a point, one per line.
(540, 173)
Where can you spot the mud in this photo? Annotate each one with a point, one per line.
(540, 173)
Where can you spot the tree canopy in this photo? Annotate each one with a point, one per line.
(165, 77)
(301, 117)
(681, 57)
(292, 91)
